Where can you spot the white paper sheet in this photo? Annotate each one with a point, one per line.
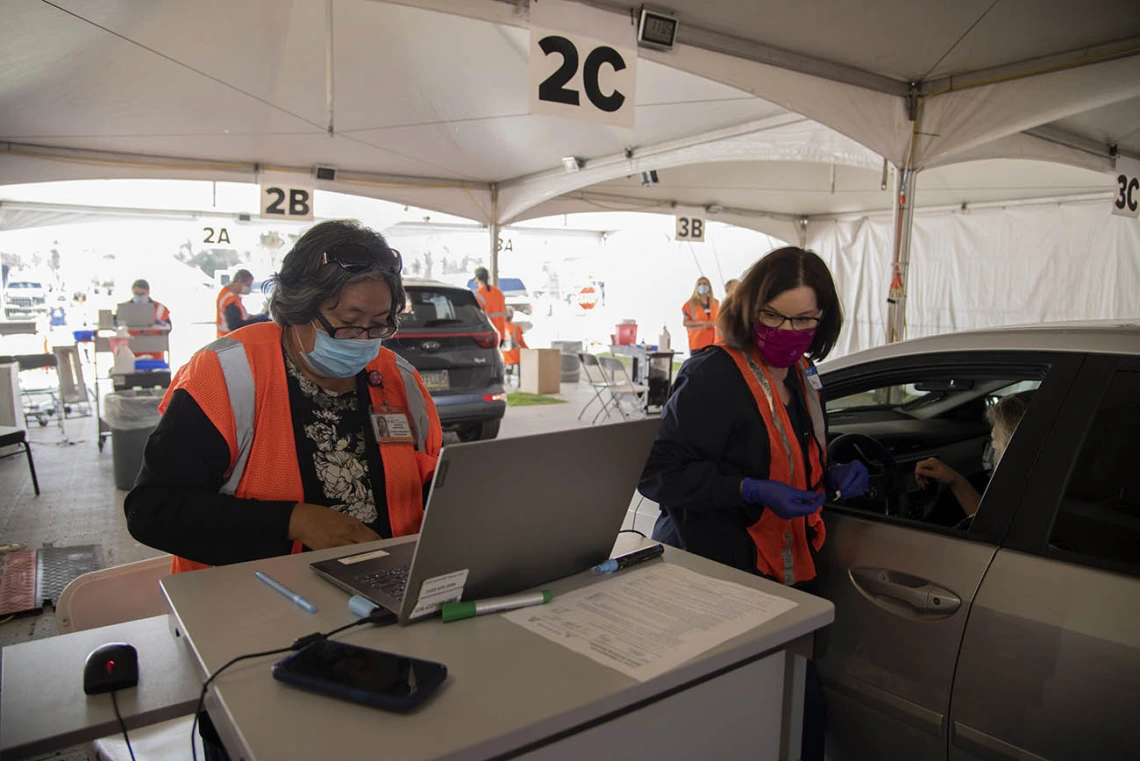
(647, 621)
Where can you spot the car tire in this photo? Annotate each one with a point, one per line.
(489, 430)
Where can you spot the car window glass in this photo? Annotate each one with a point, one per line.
(440, 308)
(938, 420)
(1099, 516)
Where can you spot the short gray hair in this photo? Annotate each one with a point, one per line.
(305, 281)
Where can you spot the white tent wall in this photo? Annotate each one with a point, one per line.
(649, 275)
(985, 268)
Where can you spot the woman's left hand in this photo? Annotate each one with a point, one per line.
(850, 479)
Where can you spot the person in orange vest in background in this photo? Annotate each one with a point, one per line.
(700, 313)
(300, 433)
(231, 312)
(513, 341)
(140, 294)
(491, 300)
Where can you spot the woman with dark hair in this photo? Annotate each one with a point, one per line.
(302, 432)
(740, 465)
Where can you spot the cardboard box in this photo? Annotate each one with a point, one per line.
(540, 371)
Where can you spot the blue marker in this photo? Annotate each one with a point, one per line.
(631, 558)
(299, 601)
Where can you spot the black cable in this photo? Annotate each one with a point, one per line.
(633, 531)
(378, 617)
(122, 725)
(633, 523)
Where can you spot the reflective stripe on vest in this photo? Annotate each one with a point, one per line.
(417, 407)
(243, 400)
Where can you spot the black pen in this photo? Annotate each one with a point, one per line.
(630, 558)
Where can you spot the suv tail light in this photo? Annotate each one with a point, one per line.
(486, 340)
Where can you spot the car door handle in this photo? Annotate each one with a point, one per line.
(917, 593)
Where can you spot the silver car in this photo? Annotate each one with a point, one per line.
(1014, 635)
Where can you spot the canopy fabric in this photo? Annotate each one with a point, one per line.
(428, 104)
(982, 268)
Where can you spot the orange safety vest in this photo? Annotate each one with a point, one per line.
(225, 298)
(512, 356)
(240, 383)
(699, 338)
(493, 302)
(161, 314)
(782, 545)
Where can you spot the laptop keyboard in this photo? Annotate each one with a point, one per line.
(390, 581)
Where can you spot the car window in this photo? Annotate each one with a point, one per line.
(1099, 516)
(937, 419)
(439, 308)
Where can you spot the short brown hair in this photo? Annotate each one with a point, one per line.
(140, 283)
(778, 271)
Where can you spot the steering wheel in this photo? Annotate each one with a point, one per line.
(885, 493)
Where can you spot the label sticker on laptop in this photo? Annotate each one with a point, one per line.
(437, 590)
(362, 557)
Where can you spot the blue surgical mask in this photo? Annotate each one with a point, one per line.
(703, 289)
(341, 358)
(138, 299)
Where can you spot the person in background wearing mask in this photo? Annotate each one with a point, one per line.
(491, 301)
(513, 341)
(140, 294)
(331, 440)
(700, 313)
(1003, 418)
(739, 467)
(231, 312)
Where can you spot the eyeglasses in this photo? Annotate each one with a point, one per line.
(354, 258)
(355, 331)
(771, 319)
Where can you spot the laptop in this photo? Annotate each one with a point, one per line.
(132, 315)
(505, 515)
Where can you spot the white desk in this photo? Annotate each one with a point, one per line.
(509, 693)
(42, 705)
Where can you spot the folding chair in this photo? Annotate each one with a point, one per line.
(596, 377)
(111, 596)
(621, 387)
(12, 436)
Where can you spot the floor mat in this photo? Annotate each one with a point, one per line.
(59, 565)
(18, 583)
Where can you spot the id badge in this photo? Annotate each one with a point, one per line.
(812, 376)
(391, 425)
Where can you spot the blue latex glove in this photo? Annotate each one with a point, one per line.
(785, 501)
(850, 479)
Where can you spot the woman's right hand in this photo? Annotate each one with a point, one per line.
(933, 469)
(783, 500)
(320, 528)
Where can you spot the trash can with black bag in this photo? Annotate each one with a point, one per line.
(131, 415)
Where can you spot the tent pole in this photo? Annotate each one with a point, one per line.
(903, 225)
(329, 64)
(494, 229)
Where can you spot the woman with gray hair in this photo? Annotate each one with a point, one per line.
(300, 433)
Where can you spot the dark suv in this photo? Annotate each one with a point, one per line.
(455, 348)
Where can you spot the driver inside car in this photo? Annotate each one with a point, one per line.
(1003, 418)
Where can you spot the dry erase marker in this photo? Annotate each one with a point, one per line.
(299, 601)
(457, 611)
(630, 558)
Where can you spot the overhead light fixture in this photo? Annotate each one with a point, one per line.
(714, 209)
(325, 173)
(649, 179)
(572, 163)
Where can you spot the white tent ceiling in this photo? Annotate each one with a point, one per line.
(429, 106)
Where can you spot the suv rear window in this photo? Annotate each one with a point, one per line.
(441, 307)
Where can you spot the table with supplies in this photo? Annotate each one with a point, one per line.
(651, 368)
(514, 688)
